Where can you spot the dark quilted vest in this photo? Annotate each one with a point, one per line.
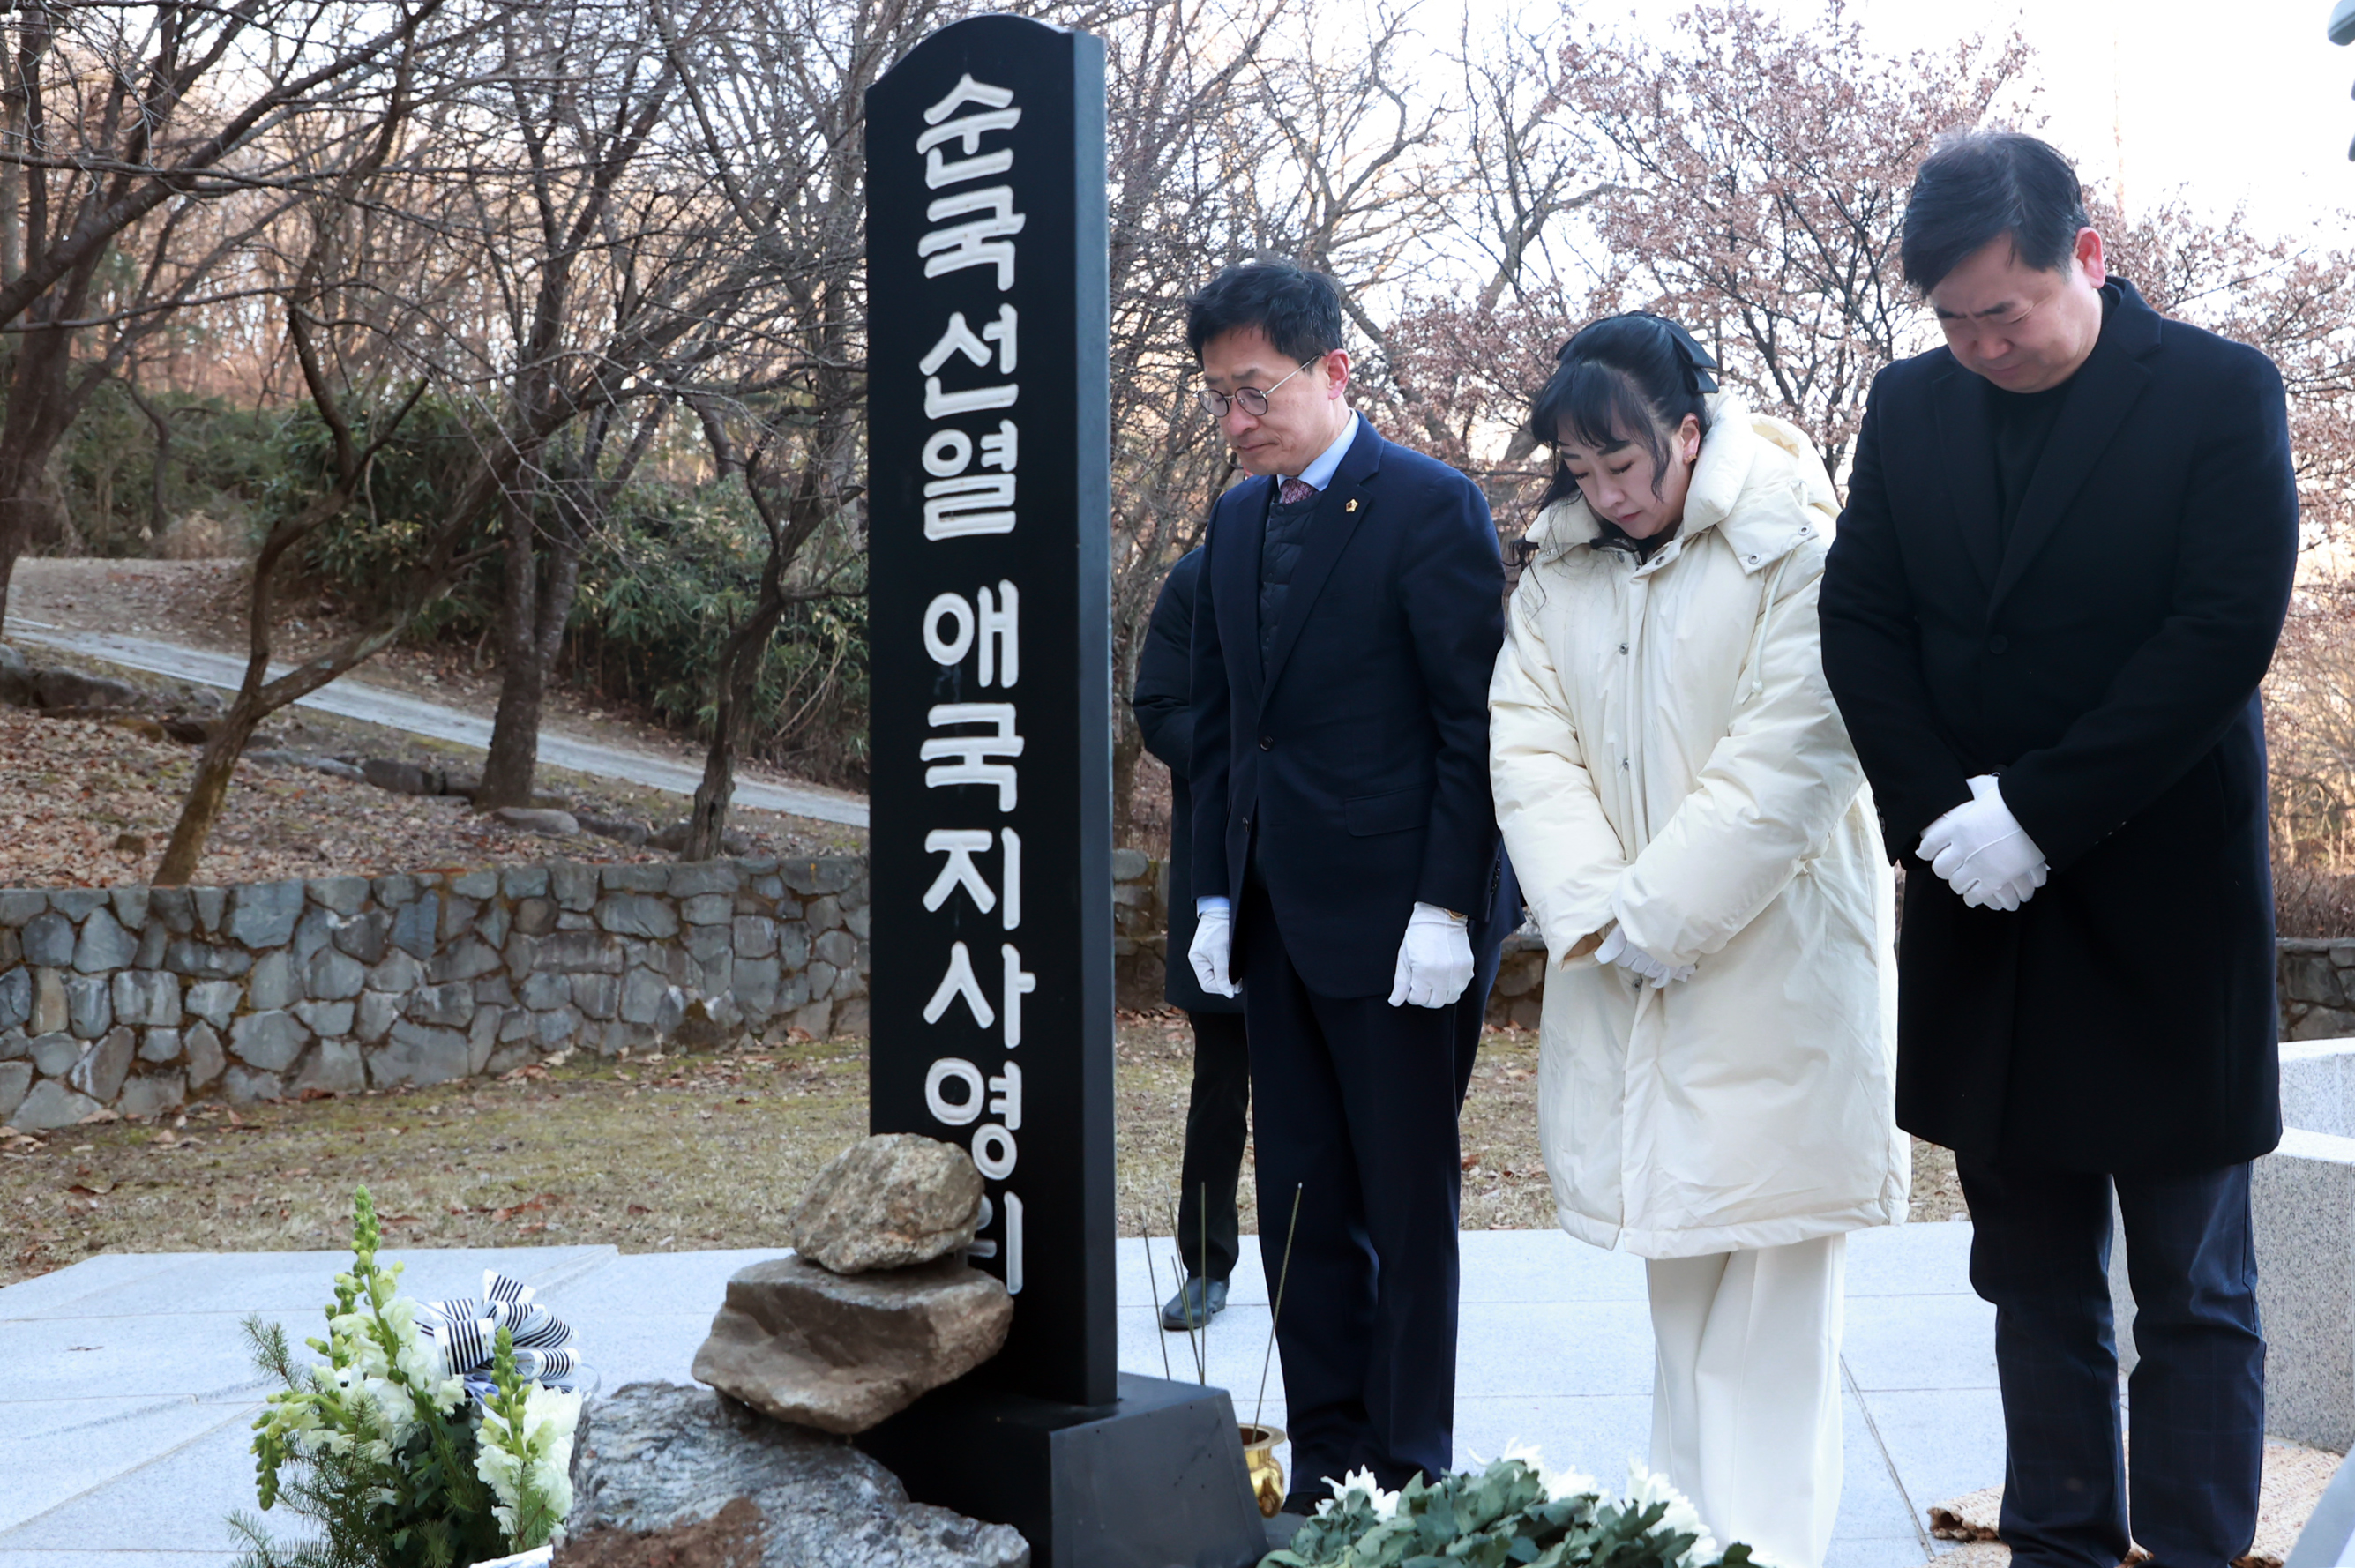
(1287, 531)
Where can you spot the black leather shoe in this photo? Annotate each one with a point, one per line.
(1196, 1302)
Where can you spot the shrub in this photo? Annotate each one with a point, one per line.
(1512, 1513)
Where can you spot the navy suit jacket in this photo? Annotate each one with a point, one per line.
(1358, 757)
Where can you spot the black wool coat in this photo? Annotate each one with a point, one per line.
(1164, 717)
(1358, 758)
(2104, 664)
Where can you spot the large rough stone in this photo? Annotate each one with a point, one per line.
(49, 941)
(272, 983)
(142, 997)
(15, 998)
(204, 1056)
(843, 1352)
(364, 936)
(658, 1459)
(15, 1082)
(547, 822)
(89, 1008)
(886, 1202)
(152, 1094)
(376, 1013)
(204, 962)
(270, 1041)
(51, 1104)
(333, 976)
(105, 945)
(214, 1001)
(19, 905)
(54, 1055)
(262, 914)
(637, 914)
(344, 895)
(574, 885)
(244, 1086)
(325, 1018)
(99, 1074)
(335, 1068)
(574, 951)
(463, 961)
(413, 928)
(419, 1053)
(452, 1004)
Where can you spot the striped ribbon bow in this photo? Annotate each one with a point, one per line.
(468, 1332)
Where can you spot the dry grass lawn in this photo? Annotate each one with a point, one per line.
(649, 1153)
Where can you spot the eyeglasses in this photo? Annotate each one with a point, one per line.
(1253, 401)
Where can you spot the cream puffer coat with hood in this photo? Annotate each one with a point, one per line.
(1667, 755)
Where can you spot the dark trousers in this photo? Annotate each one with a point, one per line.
(1217, 1125)
(1353, 1103)
(2041, 1254)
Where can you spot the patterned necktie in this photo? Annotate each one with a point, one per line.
(1295, 491)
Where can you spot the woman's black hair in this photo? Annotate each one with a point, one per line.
(1631, 378)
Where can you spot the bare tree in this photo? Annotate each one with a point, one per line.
(124, 121)
(1763, 169)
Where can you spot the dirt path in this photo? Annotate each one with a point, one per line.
(165, 617)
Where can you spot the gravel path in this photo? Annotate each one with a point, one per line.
(376, 705)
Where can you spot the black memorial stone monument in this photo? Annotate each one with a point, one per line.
(991, 787)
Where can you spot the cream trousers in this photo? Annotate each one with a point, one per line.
(1746, 1392)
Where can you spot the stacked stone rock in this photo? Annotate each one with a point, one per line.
(137, 999)
(876, 1306)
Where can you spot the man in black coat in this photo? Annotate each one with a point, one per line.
(1347, 862)
(1216, 1128)
(2065, 558)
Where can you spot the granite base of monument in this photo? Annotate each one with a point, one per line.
(1154, 1480)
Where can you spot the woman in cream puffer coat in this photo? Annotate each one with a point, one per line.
(1693, 833)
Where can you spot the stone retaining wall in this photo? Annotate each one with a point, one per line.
(138, 998)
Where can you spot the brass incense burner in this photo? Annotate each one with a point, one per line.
(1266, 1473)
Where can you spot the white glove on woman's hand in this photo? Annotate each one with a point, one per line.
(1617, 949)
(1434, 960)
(1983, 853)
(1213, 932)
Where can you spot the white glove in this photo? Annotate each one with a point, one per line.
(1434, 960)
(1617, 949)
(1982, 851)
(1213, 932)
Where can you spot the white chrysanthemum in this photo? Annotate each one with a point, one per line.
(1645, 1488)
(1561, 1486)
(1384, 1504)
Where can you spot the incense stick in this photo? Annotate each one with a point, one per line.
(1153, 1272)
(1201, 1367)
(1276, 1315)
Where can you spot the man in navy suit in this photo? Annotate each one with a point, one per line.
(2066, 555)
(1347, 864)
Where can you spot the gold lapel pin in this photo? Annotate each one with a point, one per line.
(1350, 505)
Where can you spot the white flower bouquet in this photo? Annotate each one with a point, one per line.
(1514, 1511)
(409, 1447)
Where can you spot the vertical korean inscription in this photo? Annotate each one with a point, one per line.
(989, 738)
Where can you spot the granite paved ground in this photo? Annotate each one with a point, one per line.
(124, 1416)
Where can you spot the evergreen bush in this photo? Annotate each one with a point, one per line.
(1512, 1514)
